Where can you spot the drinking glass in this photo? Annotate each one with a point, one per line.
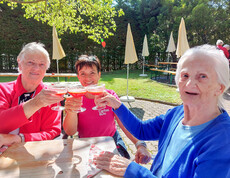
(96, 90)
(77, 91)
(61, 90)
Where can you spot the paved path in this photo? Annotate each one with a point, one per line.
(147, 110)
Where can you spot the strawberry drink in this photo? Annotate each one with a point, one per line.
(96, 90)
(61, 90)
(77, 91)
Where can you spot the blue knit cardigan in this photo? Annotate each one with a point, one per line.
(206, 155)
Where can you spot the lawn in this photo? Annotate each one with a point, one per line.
(140, 87)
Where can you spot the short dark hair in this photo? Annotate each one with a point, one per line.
(85, 60)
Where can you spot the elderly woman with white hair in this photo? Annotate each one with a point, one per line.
(25, 106)
(219, 45)
(228, 48)
(194, 138)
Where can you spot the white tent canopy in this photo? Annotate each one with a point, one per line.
(130, 58)
(58, 52)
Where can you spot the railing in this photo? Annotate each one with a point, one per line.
(66, 75)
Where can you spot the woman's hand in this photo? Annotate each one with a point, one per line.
(47, 97)
(107, 99)
(113, 163)
(142, 155)
(44, 98)
(9, 139)
(73, 103)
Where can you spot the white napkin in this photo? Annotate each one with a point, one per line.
(92, 169)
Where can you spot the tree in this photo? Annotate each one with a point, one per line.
(15, 31)
(92, 17)
(149, 10)
(116, 44)
(201, 14)
(206, 21)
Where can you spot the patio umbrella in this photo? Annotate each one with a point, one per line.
(130, 58)
(58, 52)
(182, 42)
(171, 46)
(145, 52)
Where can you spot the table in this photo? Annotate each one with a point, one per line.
(54, 158)
(166, 63)
(171, 66)
(157, 73)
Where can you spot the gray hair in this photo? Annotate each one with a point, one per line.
(227, 46)
(217, 56)
(33, 47)
(219, 42)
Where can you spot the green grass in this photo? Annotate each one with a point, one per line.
(141, 87)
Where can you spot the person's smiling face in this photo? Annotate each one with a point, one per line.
(198, 82)
(33, 68)
(88, 75)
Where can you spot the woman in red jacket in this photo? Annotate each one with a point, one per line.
(25, 104)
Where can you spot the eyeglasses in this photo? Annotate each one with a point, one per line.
(86, 58)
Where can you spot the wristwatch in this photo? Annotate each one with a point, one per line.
(22, 137)
(140, 143)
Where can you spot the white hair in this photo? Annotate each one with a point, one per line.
(219, 42)
(33, 47)
(227, 46)
(221, 64)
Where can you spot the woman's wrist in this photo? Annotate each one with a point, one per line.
(140, 143)
(71, 113)
(22, 137)
(117, 105)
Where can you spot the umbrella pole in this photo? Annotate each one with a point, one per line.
(127, 81)
(57, 70)
(127, 98)
(143, 73)
(143, 65)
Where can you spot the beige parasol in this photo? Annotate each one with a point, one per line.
(145, 52)
(130, 51)
(58, 52)
(171, 46)
(130, 58)
(182, 42)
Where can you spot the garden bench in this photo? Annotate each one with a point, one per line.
(151, 65)
(157, 72)
(172, 69)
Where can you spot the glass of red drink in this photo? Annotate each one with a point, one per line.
(96, 90)
(77, 91)
(61, 90)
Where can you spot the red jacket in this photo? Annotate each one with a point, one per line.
(226, 53)
(45, 124)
